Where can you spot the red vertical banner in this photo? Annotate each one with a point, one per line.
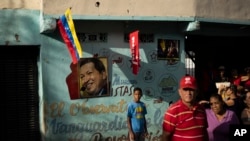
(134, 48)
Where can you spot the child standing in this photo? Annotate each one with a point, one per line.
(136, 121)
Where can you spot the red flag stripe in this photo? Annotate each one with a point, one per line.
(69, 34)
(67, 41)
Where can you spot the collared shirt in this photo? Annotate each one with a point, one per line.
(185, 124)
(219, 130)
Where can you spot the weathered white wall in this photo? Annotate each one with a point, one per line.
(21, 4)
(223, 10)
(233, 11)
(211, 8)
(19, 27)
(122, 8)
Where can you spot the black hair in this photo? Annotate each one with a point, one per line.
(247, 69)
(99, 66)
(233, 88)
(244, 94)
(217, 96)
(138, 89)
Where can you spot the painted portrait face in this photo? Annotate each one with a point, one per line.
(91, 79)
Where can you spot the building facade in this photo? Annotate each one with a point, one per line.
(103, 29)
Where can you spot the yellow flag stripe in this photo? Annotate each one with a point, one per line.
(73, 32)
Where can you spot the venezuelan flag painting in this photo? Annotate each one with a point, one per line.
(68, 33)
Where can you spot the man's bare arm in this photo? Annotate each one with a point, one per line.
(166, 136)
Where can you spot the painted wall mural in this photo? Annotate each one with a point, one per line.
(77, 116)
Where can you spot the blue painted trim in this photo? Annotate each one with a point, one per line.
(126, 18)
(156, 18)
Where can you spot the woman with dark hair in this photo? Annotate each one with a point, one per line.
(219, 119)
(245, 114)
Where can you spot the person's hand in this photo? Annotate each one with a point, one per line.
(244, 78)
(131, 136)
(146, 135)
(222, 87)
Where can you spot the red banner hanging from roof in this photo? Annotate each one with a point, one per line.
(134, 48)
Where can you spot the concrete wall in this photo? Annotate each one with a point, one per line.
(231, 11)
(21, 4)
(225, 11)
(19, 27)
(123, 8)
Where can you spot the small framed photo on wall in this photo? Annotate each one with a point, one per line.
(168, 49)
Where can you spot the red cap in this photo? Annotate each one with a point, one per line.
(188, 82)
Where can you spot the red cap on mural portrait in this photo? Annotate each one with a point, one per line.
(188, 82)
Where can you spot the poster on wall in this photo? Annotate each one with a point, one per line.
(93, 77)
(168, 49)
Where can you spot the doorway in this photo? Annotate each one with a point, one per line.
(20, 99)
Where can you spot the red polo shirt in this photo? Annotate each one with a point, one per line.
(185, 124)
